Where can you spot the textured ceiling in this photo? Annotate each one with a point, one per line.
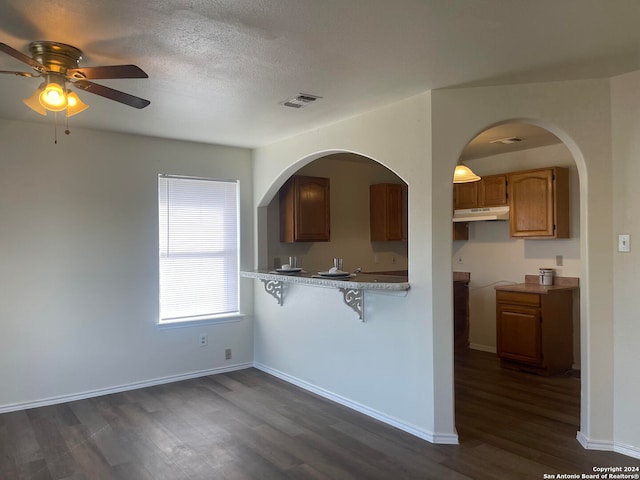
(220, 69)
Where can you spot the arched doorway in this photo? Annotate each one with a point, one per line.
(350, 176)
(492, 257)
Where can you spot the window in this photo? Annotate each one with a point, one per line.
(199, 263)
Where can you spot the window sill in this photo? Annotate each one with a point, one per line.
(214, 320)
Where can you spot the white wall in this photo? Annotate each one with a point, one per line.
(491, 256)
(423, 150)
(79, 263)
(392, 366)
(626, 200)
(579, 114)
(350, 176)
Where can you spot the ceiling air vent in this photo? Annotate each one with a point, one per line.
(507, 141)
(301, 100)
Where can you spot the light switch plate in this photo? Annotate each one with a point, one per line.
(624, 243)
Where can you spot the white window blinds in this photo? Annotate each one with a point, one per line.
(198, 220)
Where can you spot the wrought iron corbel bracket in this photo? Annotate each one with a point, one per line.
(275, 289)
(355, 299)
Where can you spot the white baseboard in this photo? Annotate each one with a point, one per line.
(482, 348)
(608, 446)
(449, 439)
(121, 388)
(628, 450)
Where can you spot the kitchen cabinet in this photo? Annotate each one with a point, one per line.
(465, 195)
(305, 210)
(461, 231)
(539, 203)
(493, 191)
(388, 212)
(535, 330)
(489, 191)
(461, 313)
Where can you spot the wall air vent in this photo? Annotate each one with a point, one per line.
(301, 100)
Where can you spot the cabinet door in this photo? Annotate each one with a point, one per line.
(531, 201)
(519, 333)
(387, 212)
(465, 195)
(493, 191)
(304, 210)
(490, 191)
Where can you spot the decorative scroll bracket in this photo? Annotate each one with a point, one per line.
(274, 288)
(355, 299)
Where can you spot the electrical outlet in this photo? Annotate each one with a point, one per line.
(559, 260)
(227, 354)
(376, 259)
(204, 340)
(393, 259)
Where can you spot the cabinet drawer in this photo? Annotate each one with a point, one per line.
(519, 298)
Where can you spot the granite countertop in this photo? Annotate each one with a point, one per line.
(532, 285)
(361, 281)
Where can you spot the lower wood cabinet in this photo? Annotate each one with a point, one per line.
(461, 314)
(535, 330)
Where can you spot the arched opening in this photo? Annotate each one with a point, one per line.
(350, 176)
(505, 391)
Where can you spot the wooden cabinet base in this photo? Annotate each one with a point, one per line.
(535, 330)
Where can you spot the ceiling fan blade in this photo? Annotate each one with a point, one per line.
(111, 94)
(111, 71)
(20, 74)
(23, 58)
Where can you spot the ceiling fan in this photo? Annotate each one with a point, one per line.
(58, 64)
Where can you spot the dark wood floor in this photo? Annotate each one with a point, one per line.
(249, 425)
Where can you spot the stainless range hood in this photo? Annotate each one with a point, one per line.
(481, 214)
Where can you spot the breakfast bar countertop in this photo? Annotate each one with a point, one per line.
(359, 281)
(352, 286)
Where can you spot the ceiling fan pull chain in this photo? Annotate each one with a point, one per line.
(55, 128)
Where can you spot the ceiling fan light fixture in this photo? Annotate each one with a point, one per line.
(463, 174)
(33, 102)
(74, 104)
(53, 97)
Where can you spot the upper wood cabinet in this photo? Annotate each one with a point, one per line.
(388, 212)
(305, 210)
(489, 191)
(465, 195)
(539, 203)
(493, 191)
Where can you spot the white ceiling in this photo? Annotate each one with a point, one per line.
(530, 136)
(220, 69)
